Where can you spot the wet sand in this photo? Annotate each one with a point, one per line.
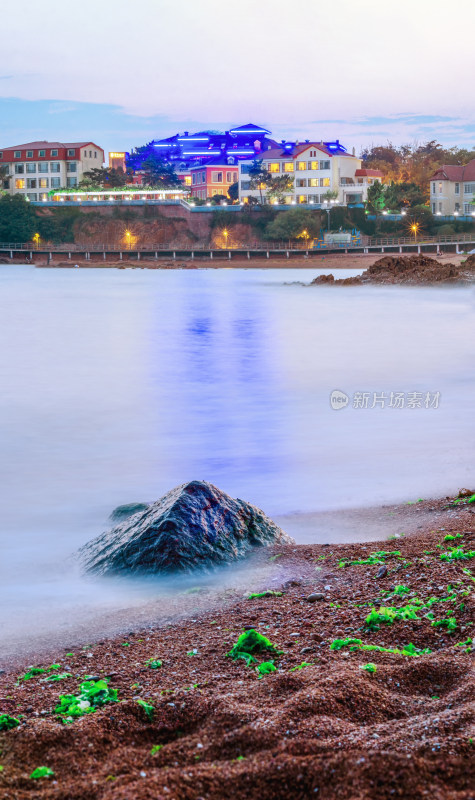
(320, 725)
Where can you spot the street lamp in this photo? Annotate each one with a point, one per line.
(415, 228)
(225, 234)
(36, 239)
(305, 234)
(128, 237)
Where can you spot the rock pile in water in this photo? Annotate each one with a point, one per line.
(414, 269)
(193, 527)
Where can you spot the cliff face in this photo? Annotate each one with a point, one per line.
(148, 225)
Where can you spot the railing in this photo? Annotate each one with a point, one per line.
(107, 247)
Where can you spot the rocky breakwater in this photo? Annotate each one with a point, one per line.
(415, 269)
(193, 527)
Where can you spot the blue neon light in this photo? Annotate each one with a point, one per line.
(248, 130)
(193, 138)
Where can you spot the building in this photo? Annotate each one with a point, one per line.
(452, 190)
(117, 161)
(317, 168)
(213, 178)
(35, 168)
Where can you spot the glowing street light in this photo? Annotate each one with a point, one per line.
(225, 234)
(415, 229)
(128, 237)
(36, 239)
(306, 236)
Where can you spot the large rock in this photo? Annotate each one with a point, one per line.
(194, 526)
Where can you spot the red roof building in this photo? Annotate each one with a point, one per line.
(452, 190)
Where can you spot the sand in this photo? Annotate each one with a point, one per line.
(329, 729)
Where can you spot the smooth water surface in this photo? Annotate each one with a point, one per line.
(119, 384)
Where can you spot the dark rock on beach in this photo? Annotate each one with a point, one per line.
(193, 527)
(412, 269)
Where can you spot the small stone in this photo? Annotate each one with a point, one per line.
(314, 596)
(327, 588)
(382, 571)
(306, 650)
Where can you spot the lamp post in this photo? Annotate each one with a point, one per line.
(128, 237)
(415, 229)
(36, 239)
(225, 234)
(305, 234)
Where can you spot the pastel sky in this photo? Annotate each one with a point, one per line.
(121, 73)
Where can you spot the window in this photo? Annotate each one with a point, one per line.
(1, 153)
(469, 188)
(274, 167)
(245, 169)
(313, 181)
(53, 153)
(203, 177)
(31, 167)
(71, 181)
(31, 183)
(71, 153)
(216, 177)
(55, 183)
(245, 185)
(229, 177)
(90, 153)
(302, 198)
(19, 169)
(20, 183)
(43, 183)
(324, 165)
(301, 165)
(433, 207)
(457, 206)
(301, 182)
(433, 188)
(288, 166)
(95, 153)
(457, 188)
(468, 208)
(71, 166)
(42, 196)
(55, 166)
(187, 180)
(194, 178)
(41, 153)
(29, 153)
(324, 181)
(32, 196)
(43, 166)
(17, 154)
(313, 164)
(440, 188)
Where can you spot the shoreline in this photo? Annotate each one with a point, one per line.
(329, 725)
(314, 261)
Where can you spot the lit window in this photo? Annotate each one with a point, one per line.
(288, 166)
(324, 181)
(43, 183)
(274, 167)
(20, 183)
(187, 180)
(313, 181)
(42, 196)
(440, 188)
(29, 153)
(54, 153)
(301, 165)
(302, 198)
(313, 164)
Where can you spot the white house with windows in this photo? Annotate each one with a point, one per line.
(452, 190)
(317, 168)
(35, 168)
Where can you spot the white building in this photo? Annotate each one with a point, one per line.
(452, 189)
(35, 168)
(317, 168)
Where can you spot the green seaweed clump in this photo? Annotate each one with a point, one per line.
(338, 644)
(251, 642)
(154, 663)
(92, 695)
(156, 749)
(457, 554)
(450, 623)
(267, 593)
(374, 558)
(467, 645)
(54, 678)
(7, 722)
(300, 666)
(34, 671)
(388, 615)
(148, 708)
(357, 644)
(265, 668)
(371, 668)
(41, 772)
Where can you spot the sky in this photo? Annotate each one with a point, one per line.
(121, 73)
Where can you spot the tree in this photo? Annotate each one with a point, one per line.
(279, 186)
(4, 177)
(403, 195)
(330, 195)
(376, 197)
(103, 178)
(258, 176)
(17, 219)
(292, 223)
(158, 174)
(233, 192)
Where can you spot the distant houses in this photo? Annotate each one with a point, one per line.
(452, 189)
